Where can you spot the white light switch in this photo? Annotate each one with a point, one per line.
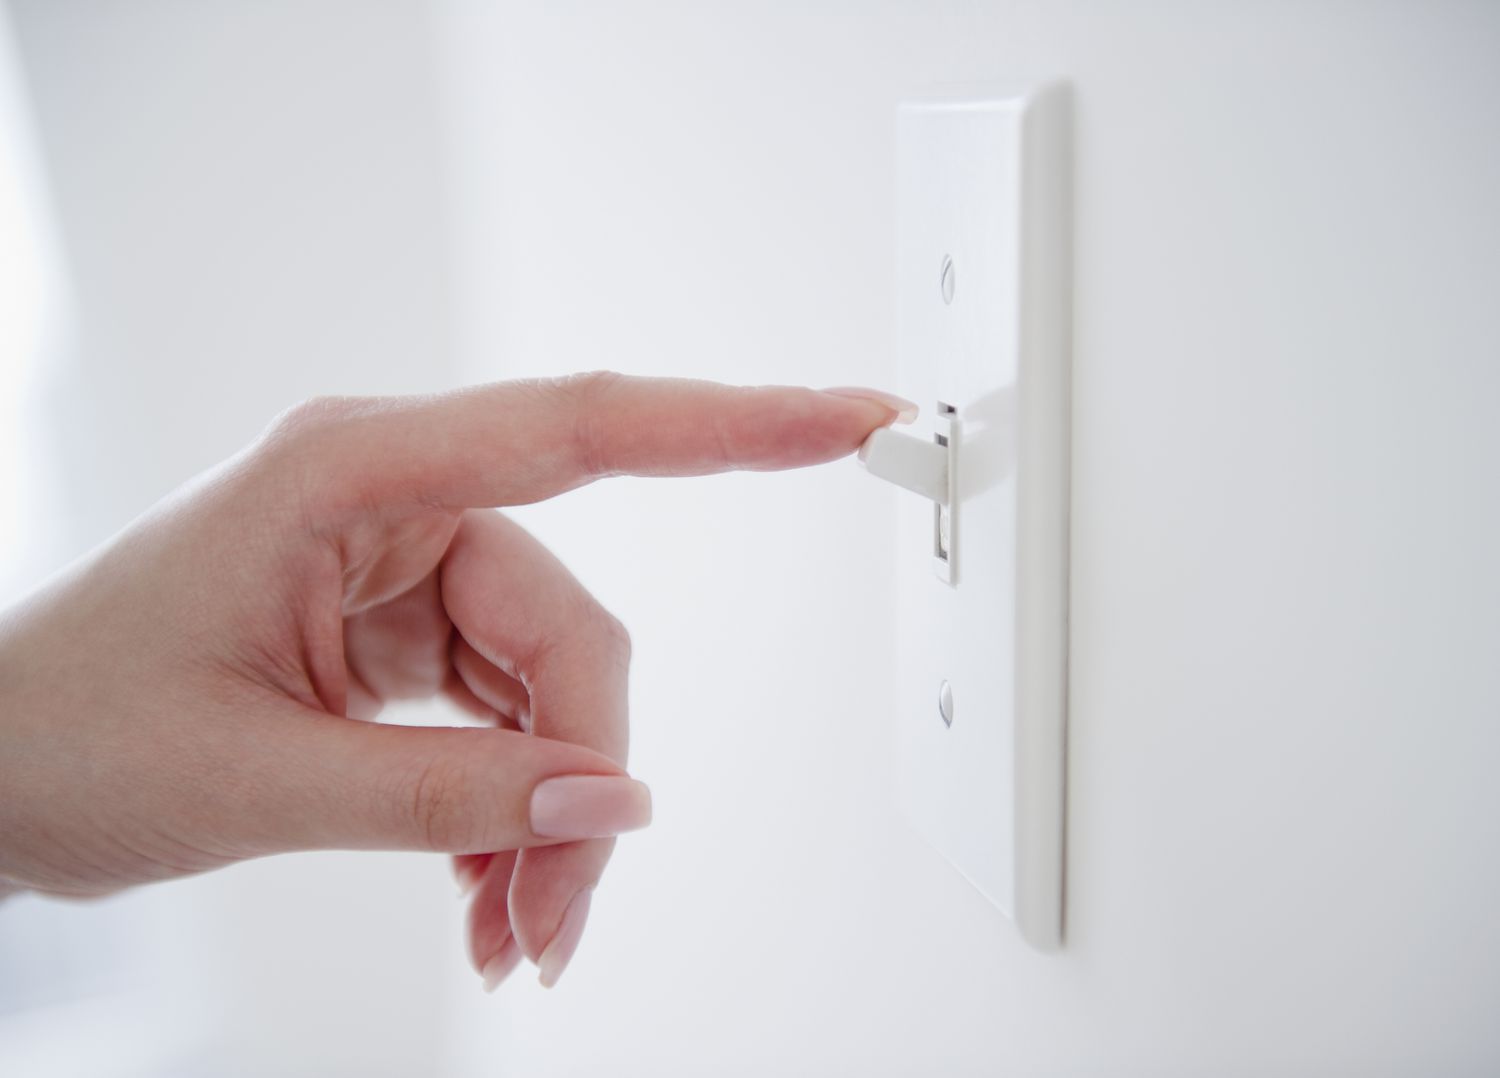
(983, 342)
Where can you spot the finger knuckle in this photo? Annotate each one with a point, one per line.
(440, 806)
(309, 418)
(608, 630)
(298, 451)
(300, 432)
(618, 636)
(591, 385)
(588, 399)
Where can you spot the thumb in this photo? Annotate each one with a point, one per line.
(345, 784)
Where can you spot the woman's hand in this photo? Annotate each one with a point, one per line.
(186, 696)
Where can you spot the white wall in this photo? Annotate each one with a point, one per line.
(1286, 690)
(250, 208)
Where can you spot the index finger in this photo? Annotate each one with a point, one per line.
(511, 443)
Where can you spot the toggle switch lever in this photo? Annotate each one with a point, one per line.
(926, 468)
(921, 467)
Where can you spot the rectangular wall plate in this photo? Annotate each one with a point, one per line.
(983, 263)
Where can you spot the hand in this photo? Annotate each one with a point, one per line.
(186, 696)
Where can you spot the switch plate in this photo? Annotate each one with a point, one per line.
(984, 327)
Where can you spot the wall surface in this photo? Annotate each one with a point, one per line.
(249, 211)
(1285, 840)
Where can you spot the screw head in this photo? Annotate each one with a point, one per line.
(946, 278)
(945, 703)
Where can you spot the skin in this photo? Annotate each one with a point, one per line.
(194, 693)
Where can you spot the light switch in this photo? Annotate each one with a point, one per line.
(983, 345)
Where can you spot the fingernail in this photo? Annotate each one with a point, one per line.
(905, 410)
(565, 940)
(502, 965)
(589, 806)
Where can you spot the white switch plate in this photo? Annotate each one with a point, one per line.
(983, 180)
